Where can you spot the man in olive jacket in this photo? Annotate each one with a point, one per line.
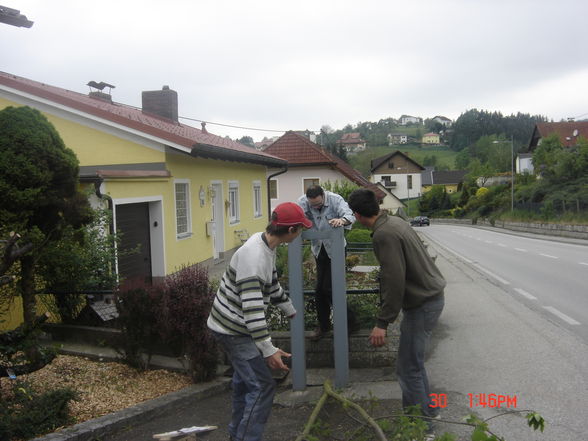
(409, 281)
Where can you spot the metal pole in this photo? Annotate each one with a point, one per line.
(297, 325)
(512, 181)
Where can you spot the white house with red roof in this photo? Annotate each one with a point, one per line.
(352, 142)
(310, 164)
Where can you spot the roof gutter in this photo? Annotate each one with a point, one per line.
(269, 199)
(214, 152)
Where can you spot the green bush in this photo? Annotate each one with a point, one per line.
(358, 236)
(26, 413)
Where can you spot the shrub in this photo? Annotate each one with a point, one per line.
(26, 413)
(138, 304)
(173, 315)
(358, 236)
(182, 320)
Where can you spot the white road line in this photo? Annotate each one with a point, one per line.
(491, 274)
(502, 245)
(488, 241)
(548, 255)
(561, 315)
(525, 294)
(522, 250)
(583, 263)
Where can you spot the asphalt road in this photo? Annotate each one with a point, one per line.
(491, 340)
(551, 277)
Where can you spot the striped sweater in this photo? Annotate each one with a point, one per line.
(248, 286)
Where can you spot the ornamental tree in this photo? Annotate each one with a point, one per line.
(39, 191)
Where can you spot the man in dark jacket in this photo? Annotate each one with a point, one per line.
(409, 281)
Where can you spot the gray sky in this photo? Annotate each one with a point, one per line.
(303, 64)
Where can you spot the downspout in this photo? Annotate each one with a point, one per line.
(269, 199)
(97, 184)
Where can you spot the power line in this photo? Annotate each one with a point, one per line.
(235, 127)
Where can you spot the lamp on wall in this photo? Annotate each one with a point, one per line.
(202, 196)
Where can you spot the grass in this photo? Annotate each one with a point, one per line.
(361, 161)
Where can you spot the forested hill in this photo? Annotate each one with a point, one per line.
(466, 130)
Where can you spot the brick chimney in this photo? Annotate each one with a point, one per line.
(162, 103)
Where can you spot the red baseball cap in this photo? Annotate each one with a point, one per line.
(290, 214)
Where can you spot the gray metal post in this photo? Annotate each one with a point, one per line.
(339, 308)
(341, 348)
(297, 324)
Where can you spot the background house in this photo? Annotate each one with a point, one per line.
(442, 120)
(524, 163)
(397, 138)
(431, 139)
(398, 173)
(450, 179)
(352, 142)
(407, 119)
(180, 194)
(309, 164)
(568, 133)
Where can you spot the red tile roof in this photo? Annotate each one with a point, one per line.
(200, 143)
(351, 138)
(568, 132)
(300, 151)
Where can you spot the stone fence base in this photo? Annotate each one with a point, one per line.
(562, 230)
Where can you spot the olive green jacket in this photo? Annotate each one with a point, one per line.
(408, 275)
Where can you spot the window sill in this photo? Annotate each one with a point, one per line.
(183, 236)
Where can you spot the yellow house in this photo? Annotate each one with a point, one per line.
(431, 139)
(182, 194)
(450, 179)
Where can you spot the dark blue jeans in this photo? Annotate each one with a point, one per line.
(415, 331)
(253, 387)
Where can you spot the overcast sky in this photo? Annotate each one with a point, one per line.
(304, 64)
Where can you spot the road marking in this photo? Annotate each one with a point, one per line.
(525, 294)
(561, 315)
(491, 274)
(548, 255)
(488, 241)
(502, 245)
(522, 250)
(583, 263)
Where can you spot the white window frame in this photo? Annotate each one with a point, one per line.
(188, 208)
(257, 207)
(310, 179)
(234, 211)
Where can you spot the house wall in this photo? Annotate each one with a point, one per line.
(399, 172)
(291, 183)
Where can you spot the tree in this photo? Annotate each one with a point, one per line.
(247, 140)
(38, 189)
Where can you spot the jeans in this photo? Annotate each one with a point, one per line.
(415, 331)
(324, 294)
(253, 387)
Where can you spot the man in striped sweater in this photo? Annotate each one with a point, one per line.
(238, 322)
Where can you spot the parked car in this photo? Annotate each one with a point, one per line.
(420, 221)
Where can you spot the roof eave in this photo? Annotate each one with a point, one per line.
(214, 152)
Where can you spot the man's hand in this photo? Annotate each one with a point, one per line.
(377, 337)
(338, 222)
(274, 361)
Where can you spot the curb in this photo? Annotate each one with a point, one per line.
(101, 427)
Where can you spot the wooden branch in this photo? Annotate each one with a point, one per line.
(12, 252)
(329, 392)
(379, 433)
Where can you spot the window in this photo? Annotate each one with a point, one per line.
(391, 165)
(233, 202)
(182, 189)
(309, 183)
(409, 181)
(257, 199)
(273, 189)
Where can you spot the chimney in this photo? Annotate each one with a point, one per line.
(162, 103)
(203, 124)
